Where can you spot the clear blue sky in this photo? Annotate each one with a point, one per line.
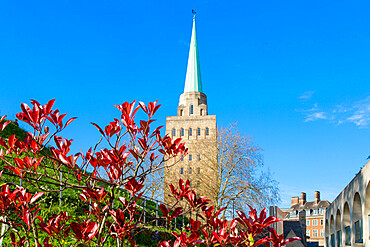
(294, 75)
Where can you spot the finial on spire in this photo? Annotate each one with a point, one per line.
(194, 13)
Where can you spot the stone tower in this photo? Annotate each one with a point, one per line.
(198, 130)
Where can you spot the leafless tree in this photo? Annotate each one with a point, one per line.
(237, 177)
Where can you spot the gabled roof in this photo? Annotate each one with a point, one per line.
(310, 205)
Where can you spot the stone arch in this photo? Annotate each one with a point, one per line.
(347, 224)
(357, 224)
(338, 228)
(367, 211)
(327, 235)
(332, 231)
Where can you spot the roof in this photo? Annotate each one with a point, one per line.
(310, 205)
(193, 82)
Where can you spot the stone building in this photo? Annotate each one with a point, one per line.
(197, 129)
(347, 220)
(303, 219)
(315, 214)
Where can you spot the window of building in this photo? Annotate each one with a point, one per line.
(307, 222)
(190, 170)
(181, 170)
(182, 157)
(308, 233)
(198, 131)
(190, 131)
(198, 183)
(314, 233)
(191, 109)
(190, 157)
(174, 132)
(339, 238)
(327, 241)
(321, 222)
(308, 213)
(198, 170)
(314, 222)
(198, 157)
(207, 131)
(332, 240)
(347, 233)
(322, 233)
(201, 112)
(180, 112)
(182, 132)
(358, 231)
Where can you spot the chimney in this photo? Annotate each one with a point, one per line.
(294, 200)
(317, 197)
(302, 201)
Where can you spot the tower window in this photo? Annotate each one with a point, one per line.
(207, 131)
(198, 157)
(190, 131)
(198, 170)
(174, 132)
(190, 170)
(201, 112)
(181, 170)
(198, 131)
(191, 109)
(180, 112)
(182, 131)
(190, 157)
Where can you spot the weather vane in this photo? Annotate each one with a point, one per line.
(194, 13)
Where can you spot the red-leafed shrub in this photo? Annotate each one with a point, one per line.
(99, 175)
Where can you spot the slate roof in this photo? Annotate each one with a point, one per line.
(310, 205)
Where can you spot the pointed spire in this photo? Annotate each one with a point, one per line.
(193, 82)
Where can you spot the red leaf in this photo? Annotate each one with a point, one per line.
(11, 140)
(91, 230)
(37, 196)
(69, 121)
(49, 106)
(100, 130)
(143, 106)
(164, 209)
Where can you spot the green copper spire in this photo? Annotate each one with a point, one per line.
(193, 83)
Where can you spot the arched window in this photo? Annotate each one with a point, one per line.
(198, 131)
(180, 112)
(198, 183)
(198, 170)
(190, 131)
(198, 157)
(174, 132)
(182, 131)
(207, 131)
(201, 112)
(191, 109)
(181, 170)
(190, 157)
(190, 170)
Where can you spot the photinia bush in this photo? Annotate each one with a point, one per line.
(100, 176)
